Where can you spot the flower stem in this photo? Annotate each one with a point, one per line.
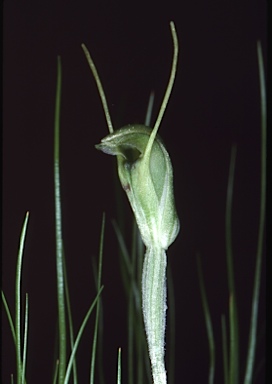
(154, 309)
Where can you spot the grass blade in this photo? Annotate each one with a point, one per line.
(11, 324)
(25, 340)
(234, 331)
(257, 277)
(69, 314)
(101, 379)
(234, 355)
(119, 367)
(55, 378)
(98, 302)
(77, 340)
(225, 349)
(59, 250)
(124, 251)
(18, 300)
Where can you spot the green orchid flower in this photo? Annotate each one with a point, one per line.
(146, 174)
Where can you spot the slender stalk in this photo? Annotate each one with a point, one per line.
(25, 340)
(78, 337)
(257, 277)
(58, 225)
(225, 349)
(69, 315)
(171, 326)
(18, 300)
(130, 330)
(98, 301)
(142, 348)
(234, 355)
(234, 332)
(55, 378)
(9, 317)
(119, 367)
(154, 309)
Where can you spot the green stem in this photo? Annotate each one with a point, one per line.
(154, 309)
(171, 326)
(69, 315)
(257, 277)
(225, 349)
(234, 331)
(99, 273)
(119, 371)
(18, 300)
(9, 317)
(78, 338)
(25, 341)
(59, 250)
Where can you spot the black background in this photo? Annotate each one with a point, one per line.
(215, 102)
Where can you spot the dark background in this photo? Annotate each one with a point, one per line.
(215, 102)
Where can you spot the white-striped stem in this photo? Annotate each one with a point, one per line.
(154, 309)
